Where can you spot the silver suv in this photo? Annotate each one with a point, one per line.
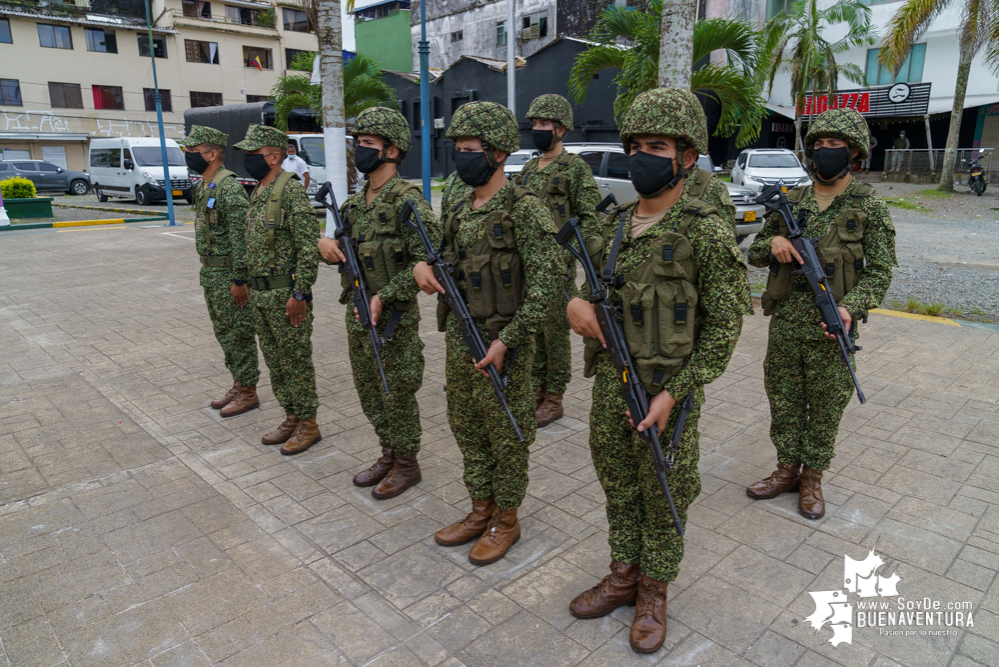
(757, 168)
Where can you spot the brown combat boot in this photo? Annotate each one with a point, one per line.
(785, 478)
(539, 398)
(617, 589)
(502, 533)
(648, 630)
(404, 474)
(282, 432)
(220, 403)
(811, 504)
(550, 410)
(377, 472)
(306, 435)
(469, 528)
(245, 401)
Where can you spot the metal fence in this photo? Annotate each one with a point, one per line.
(925, 161)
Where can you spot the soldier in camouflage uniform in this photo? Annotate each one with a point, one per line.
(382, 138)
(678, 265)
(219, 231)
(501, 239)
(282, 263)
(806, 381)
(565, 183)
(455, 190)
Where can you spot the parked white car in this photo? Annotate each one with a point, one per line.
(133, 167)
(757, 168)
(516, 161)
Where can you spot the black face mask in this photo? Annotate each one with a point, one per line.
(544, 140)
(473, 168)
(368, 159)
(651, 174)
(196, 161)
(256, 165)
(830, 164)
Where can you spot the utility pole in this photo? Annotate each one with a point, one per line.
(159, 121)
(331, 77)
(511, 58)
(426, 121)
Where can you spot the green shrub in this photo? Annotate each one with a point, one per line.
(17, 187)
(932, 309)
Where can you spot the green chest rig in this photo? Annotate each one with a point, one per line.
(555, 192)
(208, 216)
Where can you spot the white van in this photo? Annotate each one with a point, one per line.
(133, 167)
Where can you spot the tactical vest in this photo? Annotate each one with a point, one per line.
(555, 193)
(695, 188)
(841, 251)
(661, 312)
(492, 269)
(208, 214)
(382, 250)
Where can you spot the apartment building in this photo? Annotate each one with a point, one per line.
(71, 72)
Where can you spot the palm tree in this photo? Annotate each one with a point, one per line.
(979, 25)
(734, 84)
(676, 50)
(792, 42)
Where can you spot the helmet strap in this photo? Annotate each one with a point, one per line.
(679, 173)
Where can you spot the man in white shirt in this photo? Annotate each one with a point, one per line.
(297, 165)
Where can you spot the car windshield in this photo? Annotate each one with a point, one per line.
(773, 161)
(313, 150)
(704, 162)
(150, 156)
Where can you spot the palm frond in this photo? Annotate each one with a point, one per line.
(588, 63)
(906, 26)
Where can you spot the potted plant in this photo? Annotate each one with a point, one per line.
(266, 18)
(20, 201)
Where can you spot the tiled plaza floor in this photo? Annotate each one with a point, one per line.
(137, 527)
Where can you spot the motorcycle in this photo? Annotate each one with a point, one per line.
(976, 175)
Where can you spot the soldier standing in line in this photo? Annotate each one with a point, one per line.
(219, 232)
(683, 284)
(564, 182)
(806, 381)
(388, 251)
(282, 262)
(500, 240)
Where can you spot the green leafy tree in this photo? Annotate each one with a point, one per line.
(629, 41)
(793, 42)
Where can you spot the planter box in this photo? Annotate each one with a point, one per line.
(35, 207)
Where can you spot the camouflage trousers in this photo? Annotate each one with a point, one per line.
(396, 416)
(809, 388)
(495, 462)
(553, 355)
(234, 327)
(288, 354)
(641, 525)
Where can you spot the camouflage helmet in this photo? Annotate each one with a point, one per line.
(490, 122)
(845, 124)
(671, 112)
(551, 107)
(386, 123)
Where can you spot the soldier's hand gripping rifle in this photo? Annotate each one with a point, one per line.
(352, 267)
(609, 319)
(774, 198)
(410, 217)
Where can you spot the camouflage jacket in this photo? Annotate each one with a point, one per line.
(225, 231)
(454, 191)
(879, 251)
(716, 194)
(582, 190)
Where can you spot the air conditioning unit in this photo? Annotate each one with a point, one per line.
(530, 33)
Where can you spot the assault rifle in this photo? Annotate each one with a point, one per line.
(352, 267)
(609, 319)
(774, 198)
(443, 271)
(606, 202)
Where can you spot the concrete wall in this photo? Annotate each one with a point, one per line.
(387, 40)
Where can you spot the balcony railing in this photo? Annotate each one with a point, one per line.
(901, 163)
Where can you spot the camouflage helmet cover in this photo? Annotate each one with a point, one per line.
(845, 124)
(490, 122)
(551, 107)
(671, 112)
(258, 136)
(200, 134)
(386, 123)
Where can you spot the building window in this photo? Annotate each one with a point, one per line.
(202, 52)
(10, 92)
(65, 95)
(159, 46)
(911, 71)
(257, 58)
(291, 54)
(197, 10)
(501, 33)
(775, 7)
(242, 16)
(54, 36)
(165, 100)
(108, 97)
(205, 99)
(257, 98)
(102, 41)
(536, 25)
(296, 21)
(5, 32)
(458, 36)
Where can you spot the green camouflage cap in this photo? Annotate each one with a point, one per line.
(204, 135)
(386, 123)
(490, 122)
(670, 112)
(845, 124)
(258, 136)
(551, 107)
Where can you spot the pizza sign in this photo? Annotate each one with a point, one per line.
(898, 100)
(816, 104)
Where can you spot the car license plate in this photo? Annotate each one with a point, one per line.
(178, 193)
(750, 216)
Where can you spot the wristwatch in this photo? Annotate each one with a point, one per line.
(299, 295)
(238, 282)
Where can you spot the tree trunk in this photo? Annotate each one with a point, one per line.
(676, 44)
(334, 124)
(960, 88)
